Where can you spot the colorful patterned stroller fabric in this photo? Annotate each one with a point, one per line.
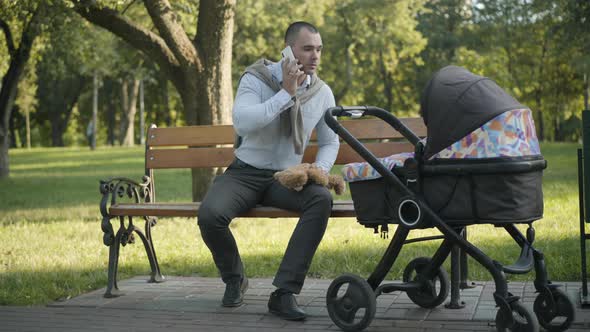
(510, 134)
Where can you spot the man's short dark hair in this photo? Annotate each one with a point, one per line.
(293, 31)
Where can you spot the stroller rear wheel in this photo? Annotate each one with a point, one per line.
(351, 302)
(518, 319)
(433, 291)
(554, 310)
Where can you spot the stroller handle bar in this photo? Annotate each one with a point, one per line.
(355, 112)
(358, 112)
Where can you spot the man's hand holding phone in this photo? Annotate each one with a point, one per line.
(291, 71)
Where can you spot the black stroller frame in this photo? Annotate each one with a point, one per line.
(354, 308)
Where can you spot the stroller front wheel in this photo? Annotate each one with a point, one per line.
(518, 319)
(554, 310)
(433, 291)
(351, 302)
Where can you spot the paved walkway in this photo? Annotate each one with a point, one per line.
(193, 304)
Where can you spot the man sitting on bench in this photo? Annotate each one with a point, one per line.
(276, 108)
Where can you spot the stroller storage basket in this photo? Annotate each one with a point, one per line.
(494, 190)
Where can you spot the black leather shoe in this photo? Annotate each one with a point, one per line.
(284, 305)
(234, 293)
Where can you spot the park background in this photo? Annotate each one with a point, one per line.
(83, 79)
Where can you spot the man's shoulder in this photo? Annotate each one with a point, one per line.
(325, 91)
(251, 80)
(326, 88)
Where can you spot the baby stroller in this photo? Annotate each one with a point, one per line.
(480, 164)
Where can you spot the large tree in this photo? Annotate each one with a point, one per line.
(60, 79)
(575, 24)
(443, 23)
(532, 51)
(25, 18)
(199, 67)
(375, 42)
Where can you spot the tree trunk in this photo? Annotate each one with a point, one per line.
(349, 77)
(556, 130)
(124, 103)
(57, 135)
(28, 127)
(141, 114)
(13, 132)
(94, 121)
(7, 97)
(540, 123)
(111, 123)
(586, 90)
(213, 86)
(109, 93)
(66, 93)
(166, 105)
(387, 83)
(4, 162)
(19, 58)
(539, 88)
(129, 110)
(199, 69)
(541, 126)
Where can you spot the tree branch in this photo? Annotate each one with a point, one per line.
(166, 21)
(140, 38)
(8, 35)
(128, 6)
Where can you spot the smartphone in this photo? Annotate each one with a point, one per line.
(287, 52)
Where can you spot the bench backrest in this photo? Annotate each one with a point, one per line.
(212, 146)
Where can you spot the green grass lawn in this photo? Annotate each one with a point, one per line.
(51, 242)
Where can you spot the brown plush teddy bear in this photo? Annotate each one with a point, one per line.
(299, 175)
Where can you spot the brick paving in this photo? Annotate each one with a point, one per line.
(193, 304)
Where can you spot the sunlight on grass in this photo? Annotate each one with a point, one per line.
(52, 243)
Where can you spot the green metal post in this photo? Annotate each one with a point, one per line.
(584, 175)
(586, 147)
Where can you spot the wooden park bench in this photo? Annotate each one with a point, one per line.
(212, 146)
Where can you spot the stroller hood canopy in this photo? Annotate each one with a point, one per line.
(455, 102)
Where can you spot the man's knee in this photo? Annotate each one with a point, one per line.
(320, 196)
(211, 216)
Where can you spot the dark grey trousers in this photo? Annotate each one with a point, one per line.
(238, 190)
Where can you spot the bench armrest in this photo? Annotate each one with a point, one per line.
(115, 189)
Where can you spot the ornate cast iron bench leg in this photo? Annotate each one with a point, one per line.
(112, 287)
(120, 188)
(156, 275)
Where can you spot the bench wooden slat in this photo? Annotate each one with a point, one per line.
(378, 129)
(191, 136)
(340, 209)
(224, 134)
(222, 157)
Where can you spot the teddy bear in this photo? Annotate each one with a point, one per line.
(297, 176)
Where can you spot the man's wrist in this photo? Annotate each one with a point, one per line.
(283, 97)
(289, 92)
